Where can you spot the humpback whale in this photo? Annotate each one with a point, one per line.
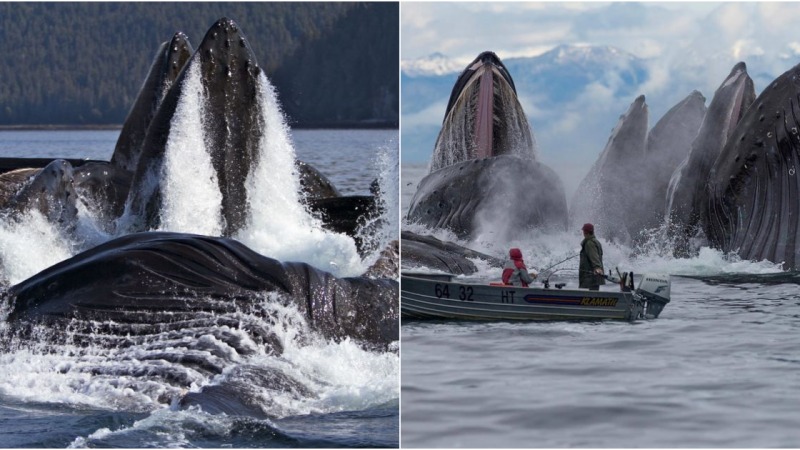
(623, 193)
(484, 174)
(600, 196)
(186, 308)
(483, 117)
(668, 144)
(232, 126)
(170, 59)
(687, 194)
(753, 186)
(49, 190)
(105, 186)
(153, 281)
(313, 184)
(432, 253)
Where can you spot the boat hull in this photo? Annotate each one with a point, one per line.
(431, 298)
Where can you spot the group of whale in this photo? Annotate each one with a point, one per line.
(146, 282)
(725, 175)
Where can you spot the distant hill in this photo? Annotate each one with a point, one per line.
(83, 63)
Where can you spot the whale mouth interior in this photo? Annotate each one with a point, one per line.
(484, 115)
(486, 95)
(737, 111)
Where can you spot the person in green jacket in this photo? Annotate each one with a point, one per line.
(590, 273)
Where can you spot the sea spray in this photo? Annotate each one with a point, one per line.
(28, 245)
(333, 376)
(279, 225)
(91, 228)
(540, 250)
(192, 201)
(377, 232)
(342, 375)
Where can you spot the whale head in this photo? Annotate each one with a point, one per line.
(483, 117)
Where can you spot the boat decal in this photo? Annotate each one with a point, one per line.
(573, 301)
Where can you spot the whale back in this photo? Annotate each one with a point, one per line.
(158, 278)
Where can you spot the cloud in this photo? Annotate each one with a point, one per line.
(432, 115)
(686, 46)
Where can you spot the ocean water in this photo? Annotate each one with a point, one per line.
(71, 396)
(344, 156)
(720, 367)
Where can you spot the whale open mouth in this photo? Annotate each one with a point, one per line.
(484, 115)
(736, 111)
(740, 105)
(483, 118)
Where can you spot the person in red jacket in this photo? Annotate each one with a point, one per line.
(515, 272)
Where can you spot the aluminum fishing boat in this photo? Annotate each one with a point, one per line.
(437, 296)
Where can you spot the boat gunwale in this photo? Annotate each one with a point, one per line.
(621, 312)
(416, 303)
(627, 295)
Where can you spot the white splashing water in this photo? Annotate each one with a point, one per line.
(343, 376)
(182, 425)
(338, 376)
(541, 250)
(192, 201)
(379, 231)
(30, 244)
(280, 227)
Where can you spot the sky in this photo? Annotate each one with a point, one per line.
(647, 30)
(529, 29)
(686, 46)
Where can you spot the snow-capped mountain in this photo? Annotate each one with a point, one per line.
(583, 54)
(432, 65)
(555, 76)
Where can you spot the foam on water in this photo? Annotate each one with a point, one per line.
(280, 227)
(343, 375)
(179, 424)
(339, 376)
(192, 201)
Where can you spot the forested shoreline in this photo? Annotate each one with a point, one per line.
(82, 64)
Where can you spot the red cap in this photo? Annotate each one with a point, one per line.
(515, 253)
(588, 227)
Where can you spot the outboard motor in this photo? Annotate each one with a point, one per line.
(654, 288)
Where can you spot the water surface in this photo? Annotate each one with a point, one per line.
(50, 397)
(720, 367)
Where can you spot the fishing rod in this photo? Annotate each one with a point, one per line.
(573, 256)
(546, 282)
(625, 281)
